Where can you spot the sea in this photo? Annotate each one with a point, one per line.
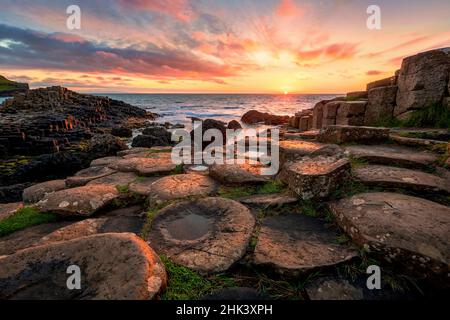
(179, 108)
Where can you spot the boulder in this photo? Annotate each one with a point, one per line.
(84, 176)
(407, 232)
(423, 80)
(81, 201)
(207, 235)
(315, 178)
(318, 113)
(294, 244)
(344, 134)
(9, 209)
(381, 105)
(148, 141)
(234, 125)
(254, 117)
(210, 124)
(134, 272)
(122, 132)
(182, 186)
(38, 191)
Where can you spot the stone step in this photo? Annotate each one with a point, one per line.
(315, 178)
(392, 177)
(392, 155)
(291, 150)
(306, 135)
(407, 232)
(293, 244)
(134, 272)
(415, 142)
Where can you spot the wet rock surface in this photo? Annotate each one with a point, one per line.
(254, 116)
(409, 231)
(84, 176)
(293, 244)
(133, 272)
(81, 201)
(207, 235)
(268, 200)
(315, 178)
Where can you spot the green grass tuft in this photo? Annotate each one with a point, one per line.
(185, 284)
(269, 187)
(24, 218)
(434, 116)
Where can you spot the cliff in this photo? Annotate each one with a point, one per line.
(9, 88)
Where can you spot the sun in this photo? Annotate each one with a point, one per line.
(286, 92)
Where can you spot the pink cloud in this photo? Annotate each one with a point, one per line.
(374, 72)
(288, 8)
(178, 9)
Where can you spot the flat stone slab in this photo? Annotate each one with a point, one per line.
(392, 155)
(132, 151)
(82, 201)
(268, 200)
(157, 163)
(142, 185)
(305, 135)
(343, 134)
(414, 142)
(291, 150)
(182, 186)
(38, 191)
(104, 161)
(207, 235)
(393, 177)
(90, 227)
(314, 178)
(333, 289)
(293, 244)
(27, 238)
(236, 174)
(9, 209)
(116, 179)
(82, 177)
(410, 232)
(40, 273)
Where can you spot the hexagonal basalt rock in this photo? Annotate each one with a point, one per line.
(392, 177)
(38, 191)
(207, 235)
(81, 201)
(104, 161)
(409, 232)
(143, 185)
(133, 272)
(291, 150)
(268, 200)
(392, 155)
(314, 178)
(9, 209)
(84, 176)
(182, 186)
(236, 174)
(343, 133)
(116, 179)
(158, 163)
(294, 244)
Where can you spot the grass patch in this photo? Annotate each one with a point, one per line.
(357, 163)
(24, 218)
(179, 169)
(160, 151)
(123, 189)
(349, 189)
(309, 209)
(185, 284)
(270, 187)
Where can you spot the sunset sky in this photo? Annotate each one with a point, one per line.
(227, 46)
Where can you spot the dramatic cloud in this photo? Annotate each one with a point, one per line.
(374, 72)
(30, 49)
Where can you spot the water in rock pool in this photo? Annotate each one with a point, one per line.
(190, 227)
(177, 108)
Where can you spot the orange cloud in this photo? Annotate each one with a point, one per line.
(288, 8)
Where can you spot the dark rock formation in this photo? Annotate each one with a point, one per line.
(254, 117)
(153, 136)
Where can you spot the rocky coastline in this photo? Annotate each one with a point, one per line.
(351, 193)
